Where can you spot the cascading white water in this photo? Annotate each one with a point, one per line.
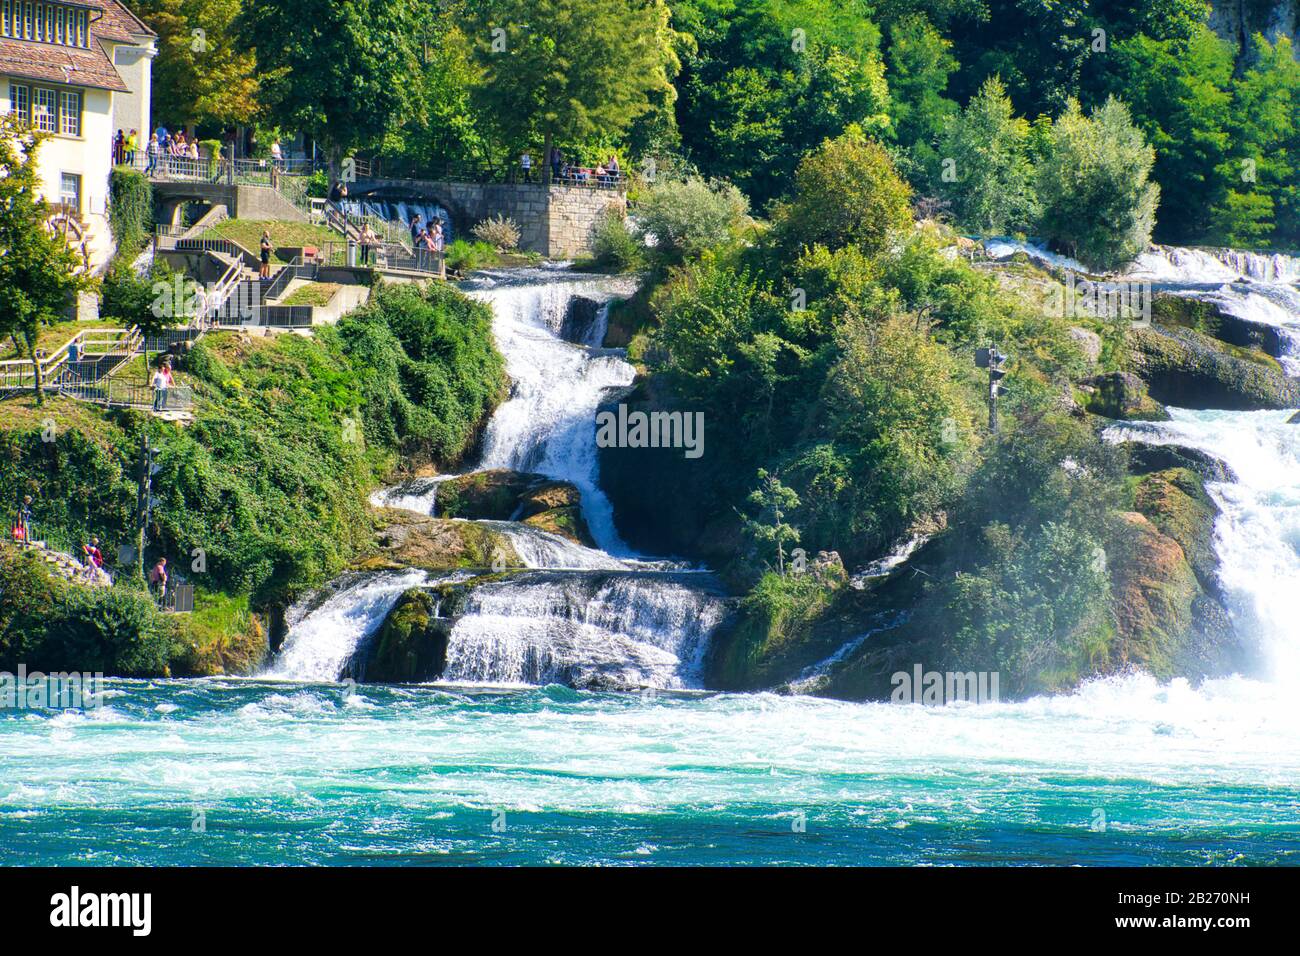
(323, 636)
(419, 495)
(1181, 264)
(1257, 535)
(1270, 304)
(548, 424)
(590, 616)
(621, 630)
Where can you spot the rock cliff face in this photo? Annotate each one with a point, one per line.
(1237, 20)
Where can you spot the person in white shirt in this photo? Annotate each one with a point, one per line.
(159, 389)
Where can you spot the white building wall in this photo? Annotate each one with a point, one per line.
(88, 156)
(132, 111)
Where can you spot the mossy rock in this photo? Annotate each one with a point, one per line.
(411, 644)
(404, 539)
(1188, 369)
(1176, 502)
(1122, 395)
(503, 495)
(491, 495)
(1165, 621)
(1210, 319)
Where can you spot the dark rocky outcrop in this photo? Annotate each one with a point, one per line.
(580, 320)
(1207, 317)
(411, 645)
(1145, 458)
(1189, 369)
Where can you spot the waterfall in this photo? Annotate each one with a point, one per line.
(591, 629)
(400, 212)
(1257, 535)
(325, 629)
(548, 424)
(418, 495)
(587, 617)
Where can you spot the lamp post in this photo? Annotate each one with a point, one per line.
(993, 360)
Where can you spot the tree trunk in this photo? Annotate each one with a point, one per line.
(546, 158)
(38, 382)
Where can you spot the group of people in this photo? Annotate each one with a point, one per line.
(165, 148)
(606, 174)
(125, 146)
(161, 382)
(427, 241)
(92, 558)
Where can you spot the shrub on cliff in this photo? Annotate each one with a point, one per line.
(433, 374)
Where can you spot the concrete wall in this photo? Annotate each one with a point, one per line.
(556, 221)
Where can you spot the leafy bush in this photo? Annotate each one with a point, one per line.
(51, 625)
(499, 232)
(614, 245)
(992, 189)
(1097, 202)
(687, 216)
(464, 256)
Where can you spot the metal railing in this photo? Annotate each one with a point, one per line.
(476, 171)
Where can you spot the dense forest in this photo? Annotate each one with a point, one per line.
(972, 98)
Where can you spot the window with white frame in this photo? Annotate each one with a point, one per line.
(45, 110)
(69, 113)
(45, 23)
(20, 103)
(70, 191)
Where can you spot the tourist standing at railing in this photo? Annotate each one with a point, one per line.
(159, 384)
(415, 233)
(526, 164)
(23, 529)
(119, 147)
(151, 151)
(277, 155)
(368, 241)
(158, 580)
(437, 243)
(132, 144)
(264, 269)
(613, 169)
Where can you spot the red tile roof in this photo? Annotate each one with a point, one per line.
(118, 22)
(48, 62)
(92, 68)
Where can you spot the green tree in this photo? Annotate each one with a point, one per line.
(38, 276)
(1180, 92)
(565, 71)
(847, 192)
(346, 72)
(765, 81)
(985, 165)
(203, 73)
(1263, 204)
(773, 501)
(920, 62)
(1098, 202)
